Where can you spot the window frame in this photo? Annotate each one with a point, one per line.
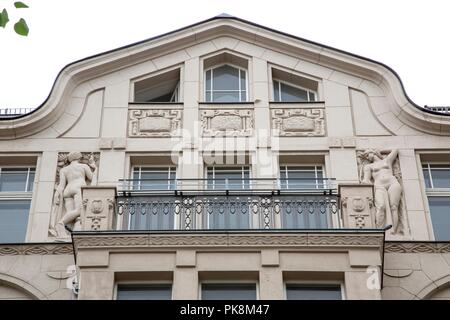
(207, 281)
(308, 91)
(138, 282)
(341, 283)
(432, 192)
(205, 89)
(26, 195)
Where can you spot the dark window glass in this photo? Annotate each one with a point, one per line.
(13, 220)
(313, 292)
(228, 291)
(14, 179)
(144, 292)
(440, 217)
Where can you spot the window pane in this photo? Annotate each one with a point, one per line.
(276, 91)
(31, 180)
(226, 96)
(208, 80)
(312, 96)
(144, 292)
(441, 177)
(313, 292)
(440, 217)
(293, 94)
(227, 291)
(426, 176)
(303, 213)
(243, 96)
(13, 220)
(225, 78)
(13, 179)
(243, 82)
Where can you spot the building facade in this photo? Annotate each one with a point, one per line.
(225, 160)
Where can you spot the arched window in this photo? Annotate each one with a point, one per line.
(226, 83)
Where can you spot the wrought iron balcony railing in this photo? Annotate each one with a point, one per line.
(189, 204)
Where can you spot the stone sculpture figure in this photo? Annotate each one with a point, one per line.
(388, 191)
(68, 193)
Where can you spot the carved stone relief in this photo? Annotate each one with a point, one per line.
(74, 170)
(98, 209)
(227, 122)
(298, 122)
(356, 206)
(154, 122)
(382, 169)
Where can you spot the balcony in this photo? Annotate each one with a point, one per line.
(227, 204)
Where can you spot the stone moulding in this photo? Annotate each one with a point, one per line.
(35, 249)
(417, 247)
(227, 122)
(298, 122)
(154, 123)
(294, 241)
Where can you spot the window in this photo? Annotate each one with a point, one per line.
(164, 87)
(154, 178)
(223, 178)
(225, 84)
(303, 212)
(301, 177)
(16, 185)
(16, 179)
(144, 292)
(313, 292)
(437, 183)
(284, 92)
(228, 291)
(220, 216)
(160, 216)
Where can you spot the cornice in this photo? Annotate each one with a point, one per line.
(232, 240)
(36, 249)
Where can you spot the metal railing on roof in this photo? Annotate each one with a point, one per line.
(13, 112)
(440, 109)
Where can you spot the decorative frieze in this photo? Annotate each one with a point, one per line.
(417, 247)
(227, 122)
(231, 240)
(154, 122)
(298, 122)
(35, 249)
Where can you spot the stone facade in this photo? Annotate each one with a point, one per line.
(360, 123)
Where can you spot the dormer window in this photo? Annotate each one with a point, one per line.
(285, 92)
(289, 86)
(226, 83)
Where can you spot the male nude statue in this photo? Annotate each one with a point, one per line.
(71, 179)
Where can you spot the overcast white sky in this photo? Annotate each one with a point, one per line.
(412, 37)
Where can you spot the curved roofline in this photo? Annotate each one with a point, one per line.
(228, 17)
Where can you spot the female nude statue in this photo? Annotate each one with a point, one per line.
(388, 191)
(71, 179)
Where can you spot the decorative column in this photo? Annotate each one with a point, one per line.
(357, 206)
(98, 211)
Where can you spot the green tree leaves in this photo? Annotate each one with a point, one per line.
(4, 18)
(20, 5)
(20, 27)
